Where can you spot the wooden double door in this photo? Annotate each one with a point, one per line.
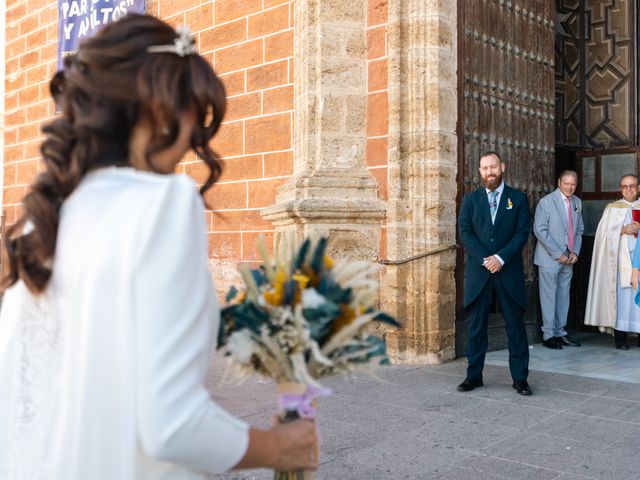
(506, 104)
(550, 85)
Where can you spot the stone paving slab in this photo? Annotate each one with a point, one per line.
(613, 463)
(569, 476)
(586, 429)
(413, 424)
(402, 456)
(547, 451)
(471, 435)
(610, 408)
(632, 440)
(492, 466)
(461, 473)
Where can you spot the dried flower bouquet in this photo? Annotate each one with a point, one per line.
(300, 317)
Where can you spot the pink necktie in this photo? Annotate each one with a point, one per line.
(570, 221)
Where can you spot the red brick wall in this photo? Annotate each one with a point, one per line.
(250, 44)
(377, 106)
(31, 47)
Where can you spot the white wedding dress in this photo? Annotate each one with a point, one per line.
(101, 377)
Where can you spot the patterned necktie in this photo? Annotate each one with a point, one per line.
(570, 224)
(493, 204)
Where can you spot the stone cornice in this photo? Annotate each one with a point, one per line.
(332, 210)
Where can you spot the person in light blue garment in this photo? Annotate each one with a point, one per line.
(558, 227)
(633, 321)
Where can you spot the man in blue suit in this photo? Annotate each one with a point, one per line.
(494, 226)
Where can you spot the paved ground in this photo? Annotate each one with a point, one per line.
(415, 425)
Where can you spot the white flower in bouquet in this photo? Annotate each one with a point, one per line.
(241, 346)
(311, 298)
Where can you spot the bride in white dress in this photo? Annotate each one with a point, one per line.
(110, 319)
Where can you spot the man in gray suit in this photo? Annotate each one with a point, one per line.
(558, 227)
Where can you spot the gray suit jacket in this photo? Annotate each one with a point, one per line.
(550, 228)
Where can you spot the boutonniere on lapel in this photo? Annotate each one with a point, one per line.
(576, 209)
(509, 204)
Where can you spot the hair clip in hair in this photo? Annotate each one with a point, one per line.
(183, 45)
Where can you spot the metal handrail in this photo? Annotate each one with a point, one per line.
(419, 256)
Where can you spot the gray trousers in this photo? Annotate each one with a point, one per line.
(554, 284)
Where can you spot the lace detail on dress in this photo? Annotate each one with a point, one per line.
(35, 358)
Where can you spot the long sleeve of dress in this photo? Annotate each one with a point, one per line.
(8, 320)
(177, 317)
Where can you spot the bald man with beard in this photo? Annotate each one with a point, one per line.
(494, 225)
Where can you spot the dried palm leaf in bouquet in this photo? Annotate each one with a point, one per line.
(300, 317)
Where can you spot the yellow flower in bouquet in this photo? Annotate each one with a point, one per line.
(275, 295)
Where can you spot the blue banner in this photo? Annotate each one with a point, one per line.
(80, 19)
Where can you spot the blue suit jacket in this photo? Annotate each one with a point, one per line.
(551, 225)
(506, 237)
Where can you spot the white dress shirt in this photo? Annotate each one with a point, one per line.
(564, 204)
(102, 377)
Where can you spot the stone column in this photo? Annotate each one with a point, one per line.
(330, 193)
(422, 178)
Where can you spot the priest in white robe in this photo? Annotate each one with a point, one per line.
(610, 300)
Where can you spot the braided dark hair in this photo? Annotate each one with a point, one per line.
(107, 88)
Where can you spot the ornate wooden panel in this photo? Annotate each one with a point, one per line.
(506, 74)
(596, 73)
(610, 73)
(596, 108)
(568, 72)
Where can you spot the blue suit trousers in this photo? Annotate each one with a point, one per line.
(477, 338)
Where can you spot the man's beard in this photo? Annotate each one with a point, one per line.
(492, 183)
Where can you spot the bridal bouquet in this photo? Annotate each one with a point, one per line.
(300, 317)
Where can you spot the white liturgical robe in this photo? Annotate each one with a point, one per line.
(102, 376)
(610, 297)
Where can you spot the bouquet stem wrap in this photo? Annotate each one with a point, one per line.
(297, 401)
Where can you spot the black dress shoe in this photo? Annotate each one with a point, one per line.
(566, 341)
(620, 339)
(552, 343)
(522, 388)
(469, 384)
